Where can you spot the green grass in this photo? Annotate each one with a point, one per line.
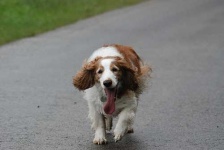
(23, 18)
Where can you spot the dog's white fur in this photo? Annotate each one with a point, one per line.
(125, 109)
(107, 74)
(104, 52)
(126, 106)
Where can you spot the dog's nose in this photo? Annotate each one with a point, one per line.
(107, 83)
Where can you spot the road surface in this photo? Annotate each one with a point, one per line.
(183, 40)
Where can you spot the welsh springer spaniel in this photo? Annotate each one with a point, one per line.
(112, 79)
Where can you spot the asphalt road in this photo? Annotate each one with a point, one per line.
(183, 110)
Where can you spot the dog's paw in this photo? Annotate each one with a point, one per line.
(118, 137)
(99, 141)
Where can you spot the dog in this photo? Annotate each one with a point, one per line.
(112, 79)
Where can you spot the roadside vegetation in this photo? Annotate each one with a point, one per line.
(23, 18)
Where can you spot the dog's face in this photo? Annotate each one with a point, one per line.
(110, 72)
(107, 73)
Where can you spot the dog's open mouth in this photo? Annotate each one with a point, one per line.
(111, 94)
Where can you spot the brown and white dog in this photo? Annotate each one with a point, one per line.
(112, 79)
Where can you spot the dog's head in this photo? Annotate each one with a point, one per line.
(114, 75)
(110, 72)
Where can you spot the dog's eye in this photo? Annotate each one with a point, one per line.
(100, 71)
(114, 69)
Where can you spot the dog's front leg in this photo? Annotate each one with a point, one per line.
(98, 125)
(124, 124)
(100, 133)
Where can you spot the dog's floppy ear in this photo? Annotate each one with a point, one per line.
(129, 78)
(85, 78)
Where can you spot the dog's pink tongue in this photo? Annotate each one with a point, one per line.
(109, 107)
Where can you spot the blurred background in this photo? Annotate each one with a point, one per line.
(23, 18)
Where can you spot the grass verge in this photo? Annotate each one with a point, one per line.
(23, 18)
